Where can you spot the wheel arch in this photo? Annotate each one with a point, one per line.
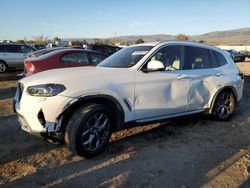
(106, 100)
(1, 60)
(226, 88)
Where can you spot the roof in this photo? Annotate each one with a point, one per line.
(175, 42)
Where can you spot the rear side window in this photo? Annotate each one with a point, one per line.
(11, 48)
(75, 58)
(25, 49)
(198, 58)
(212, 60)
(2, 48)
(96, 58)
(221, 60)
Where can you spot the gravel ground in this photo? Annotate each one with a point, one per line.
(194, 151)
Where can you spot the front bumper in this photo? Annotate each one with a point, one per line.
(38, 114)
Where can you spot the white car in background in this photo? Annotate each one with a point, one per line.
(141, 83)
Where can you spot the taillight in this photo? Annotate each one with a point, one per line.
(29, 68)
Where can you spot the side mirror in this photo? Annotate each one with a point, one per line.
(155, 65)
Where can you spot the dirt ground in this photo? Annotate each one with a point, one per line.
(194, 151)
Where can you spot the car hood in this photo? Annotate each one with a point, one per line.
(82, 78)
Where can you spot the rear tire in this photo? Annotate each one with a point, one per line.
(224, 105)
(3, 67)
(88, 130)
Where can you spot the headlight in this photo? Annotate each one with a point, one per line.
(46, 90)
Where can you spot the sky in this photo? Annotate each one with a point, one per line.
(22, 19)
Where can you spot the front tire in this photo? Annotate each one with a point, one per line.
(224, 105)
(88, 130)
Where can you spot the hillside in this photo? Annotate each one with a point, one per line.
(230, 37)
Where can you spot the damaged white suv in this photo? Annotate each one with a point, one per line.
(141, 83)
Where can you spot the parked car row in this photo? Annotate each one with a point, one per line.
(138, 84)
(236, 56)
(246, 53)
(12, 56)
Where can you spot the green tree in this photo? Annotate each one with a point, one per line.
(139, 41)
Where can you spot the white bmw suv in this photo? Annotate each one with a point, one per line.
(141, 83)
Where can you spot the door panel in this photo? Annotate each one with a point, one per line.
(203, 84)
(160, 93)
(13, 56)
(205, 77)
(15, 59)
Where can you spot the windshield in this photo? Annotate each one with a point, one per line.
(127, 57)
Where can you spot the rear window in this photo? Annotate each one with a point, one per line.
(12, 48)
(26, 49)
(78, 57)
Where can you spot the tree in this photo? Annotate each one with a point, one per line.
(139, 41)
(181, 37)
(98, 41)
(39, 40)
(84, 42)
(20, 41)
(57, 40)
(76, 43)
(109, 42)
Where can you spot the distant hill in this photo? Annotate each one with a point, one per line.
(230, 37)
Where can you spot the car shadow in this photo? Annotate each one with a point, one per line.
(7, 93)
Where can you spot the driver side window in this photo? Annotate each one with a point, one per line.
(172, 57)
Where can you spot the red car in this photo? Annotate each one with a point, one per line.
(62, 59)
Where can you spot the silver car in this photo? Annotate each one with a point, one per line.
(12, 55)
